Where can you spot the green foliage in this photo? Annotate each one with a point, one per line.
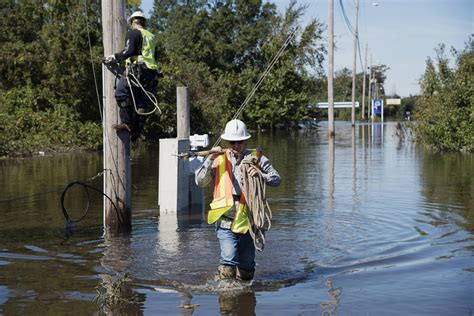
(446, 110)
(227, 48)
(47, 91)
(25, 130)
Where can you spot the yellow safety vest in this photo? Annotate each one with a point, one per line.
(223, 199)
(147, 56)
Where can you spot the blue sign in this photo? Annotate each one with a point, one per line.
(377, 106)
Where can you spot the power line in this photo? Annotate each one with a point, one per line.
(351, 29)
(346, 19)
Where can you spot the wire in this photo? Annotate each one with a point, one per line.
(262, 77)
(149, 95)
(346, 19)
(349, 26)
(92, 62)
(86, 187)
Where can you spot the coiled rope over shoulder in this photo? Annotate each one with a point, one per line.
(258, 211)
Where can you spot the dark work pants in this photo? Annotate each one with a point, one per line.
(123, 95)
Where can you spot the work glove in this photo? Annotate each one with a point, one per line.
(110, 59)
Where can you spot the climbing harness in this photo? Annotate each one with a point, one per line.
(132, 75)
(258, 211)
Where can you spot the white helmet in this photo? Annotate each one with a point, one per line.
(235, 130)
(137, 14)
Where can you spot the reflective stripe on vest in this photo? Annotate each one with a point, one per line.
(147, 56)
(223, 199)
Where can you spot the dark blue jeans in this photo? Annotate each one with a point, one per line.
(236, 249)
(123, 95)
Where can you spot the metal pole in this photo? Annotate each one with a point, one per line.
(182, 112)
(354, 64)
(117, 175)
(330, 68)
(363, 84)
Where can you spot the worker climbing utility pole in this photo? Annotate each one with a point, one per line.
(330, 68)
(117, 175)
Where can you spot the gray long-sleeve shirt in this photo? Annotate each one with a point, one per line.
(206, 173)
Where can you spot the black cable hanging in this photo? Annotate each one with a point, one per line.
(70, 223)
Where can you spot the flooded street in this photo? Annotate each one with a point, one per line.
(367, 225)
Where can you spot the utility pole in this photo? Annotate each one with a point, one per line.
(331, 68)
(369, 107)
(363, 83)
(117, 175)
(354, 64)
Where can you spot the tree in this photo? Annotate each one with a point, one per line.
(445, 113)
(47, 94)
(227, 48)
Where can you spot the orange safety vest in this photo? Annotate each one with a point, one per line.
(223, 199)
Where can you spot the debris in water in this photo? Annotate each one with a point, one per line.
(189, 306)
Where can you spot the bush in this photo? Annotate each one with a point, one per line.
(446, 110)
(26, 129)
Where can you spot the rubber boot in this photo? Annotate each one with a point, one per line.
(244, 275)
(226, 272)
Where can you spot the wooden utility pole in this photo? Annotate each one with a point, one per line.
(363, 83)
(331, 68)
(354, 64)
(369, 107)
(117, 175)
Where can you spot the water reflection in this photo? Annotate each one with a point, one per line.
(117, 252)
(331, 160)
(377, 133)
(354, 168)
(242, 304)
(168, 233)
(447, 188)
(329, 308)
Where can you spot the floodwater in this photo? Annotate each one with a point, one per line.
(367, 225)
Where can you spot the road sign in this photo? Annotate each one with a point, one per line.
(324, 105)
(393, 101)
(377, 106)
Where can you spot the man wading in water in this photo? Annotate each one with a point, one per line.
(228, 208)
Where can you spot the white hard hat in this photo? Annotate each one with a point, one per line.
(137, 14)
(235, 130)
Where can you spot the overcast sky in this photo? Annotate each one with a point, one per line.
(400, 33)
